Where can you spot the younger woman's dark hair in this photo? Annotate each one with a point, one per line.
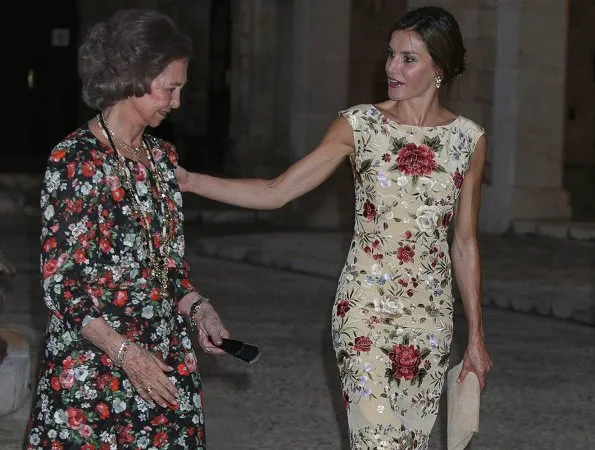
(440, 33)
(122, 55)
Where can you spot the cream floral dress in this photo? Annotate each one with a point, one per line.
(392, 317)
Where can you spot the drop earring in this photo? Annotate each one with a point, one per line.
(438, 81)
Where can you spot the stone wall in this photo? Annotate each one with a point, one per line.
(371, 22)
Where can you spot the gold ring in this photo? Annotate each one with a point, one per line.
(149, 389)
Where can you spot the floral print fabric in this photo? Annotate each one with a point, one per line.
(392, 318)
(94, 265)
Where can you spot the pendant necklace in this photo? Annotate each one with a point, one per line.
(156, 254)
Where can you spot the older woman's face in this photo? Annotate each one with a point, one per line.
(409, 67)
(164, 96)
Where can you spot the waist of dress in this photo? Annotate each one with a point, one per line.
(396, 306)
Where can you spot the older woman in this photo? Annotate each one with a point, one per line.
(416, 166)
(119, 370)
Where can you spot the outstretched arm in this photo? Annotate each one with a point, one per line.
(300, 178)
(467, 266)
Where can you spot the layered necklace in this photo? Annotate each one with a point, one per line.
(156, 254)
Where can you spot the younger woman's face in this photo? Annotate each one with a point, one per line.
(409, 67)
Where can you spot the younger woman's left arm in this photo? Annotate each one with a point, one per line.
(467, 266)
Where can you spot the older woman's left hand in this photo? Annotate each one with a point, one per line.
(210, 329)
(477, 360)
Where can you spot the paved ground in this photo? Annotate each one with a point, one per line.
(540, 394)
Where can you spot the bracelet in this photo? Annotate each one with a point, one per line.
(122, 352)
(194, 307)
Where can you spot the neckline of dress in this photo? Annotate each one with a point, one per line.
(394, 122)
(106, 147)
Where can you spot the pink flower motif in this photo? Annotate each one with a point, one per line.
(113, 182)
(157, 154)
(86, 431)
(190, 362)
(67, 378)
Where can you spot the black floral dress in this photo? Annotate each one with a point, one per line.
(94, 265)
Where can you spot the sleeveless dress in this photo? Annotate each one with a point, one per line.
(94, 265)
(392, 316)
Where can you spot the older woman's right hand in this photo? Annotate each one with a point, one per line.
(148, 376)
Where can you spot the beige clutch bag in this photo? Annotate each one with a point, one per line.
(463, 408)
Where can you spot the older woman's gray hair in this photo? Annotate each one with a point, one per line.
(122, 55)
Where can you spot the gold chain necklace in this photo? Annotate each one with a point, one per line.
(136, 151)
(157, 257)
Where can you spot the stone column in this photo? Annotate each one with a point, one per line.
(321, 66)
(320, 88)
(529, 115)
(258, 62)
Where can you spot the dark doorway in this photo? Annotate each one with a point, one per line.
(206, 152)
(39, 98)
(219, 89)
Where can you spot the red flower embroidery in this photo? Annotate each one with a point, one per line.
(55, 383)
(103, 410)
(183, 370)
(88, 169)
(417, 161)
(159, 420)
(57, 155)
(105, 246)
(50, 268)
(118, 194)
(342, 308)
(70, 170)
(405, 254)
(369, 210)
(362, 344)
(155, 294)
(79, 256)
(405, 361)
(160, 439)
(446, 219)
(458, 180)
(49, 244)
(121, 298)
(76, 417)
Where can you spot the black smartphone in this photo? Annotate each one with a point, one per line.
(246, 352)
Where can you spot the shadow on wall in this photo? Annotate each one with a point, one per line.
(579, 182)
